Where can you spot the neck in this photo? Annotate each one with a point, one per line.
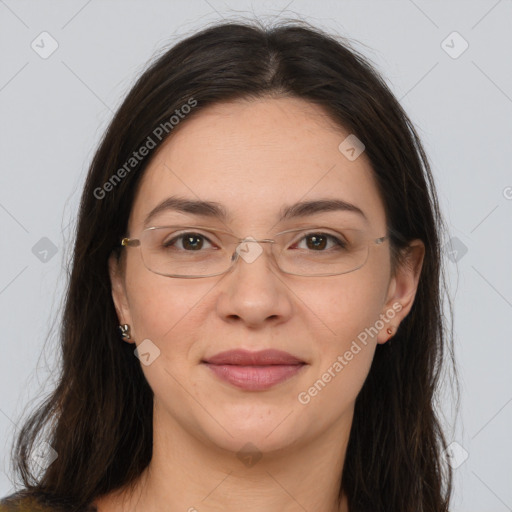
(188, 474)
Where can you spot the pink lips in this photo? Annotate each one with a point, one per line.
(254, 371)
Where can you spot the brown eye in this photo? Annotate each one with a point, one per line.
(189, 242)
(318, 241)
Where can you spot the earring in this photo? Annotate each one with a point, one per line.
(125, 331)
(389, 330)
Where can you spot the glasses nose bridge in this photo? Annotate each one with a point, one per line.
(249, 239)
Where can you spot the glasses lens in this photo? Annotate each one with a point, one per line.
(320, 252)
(186, 251)
(196, 252)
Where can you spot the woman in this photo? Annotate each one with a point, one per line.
(254, 311)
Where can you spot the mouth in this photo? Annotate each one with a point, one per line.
(254, 371)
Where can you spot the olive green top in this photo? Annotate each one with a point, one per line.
(13, 503)
(23, 502)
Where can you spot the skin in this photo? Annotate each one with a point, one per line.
(254, 157)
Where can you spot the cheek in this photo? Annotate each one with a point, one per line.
(168, 313)
(349, 306)
(346, 305)
(162, 307)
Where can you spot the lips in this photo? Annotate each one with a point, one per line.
(254, 371)
(247, 358)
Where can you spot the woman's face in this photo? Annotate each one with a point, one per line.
(255, 158)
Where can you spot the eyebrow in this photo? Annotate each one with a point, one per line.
(216, 210)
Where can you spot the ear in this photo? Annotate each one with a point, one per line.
(119, 296)
(402, 290)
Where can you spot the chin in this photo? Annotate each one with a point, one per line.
(269, 427)
(255, 440)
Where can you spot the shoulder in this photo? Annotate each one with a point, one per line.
(26, 501)
(21, 502)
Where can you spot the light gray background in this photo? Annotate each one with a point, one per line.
(54, 110)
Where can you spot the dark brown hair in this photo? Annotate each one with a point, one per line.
(99, 417)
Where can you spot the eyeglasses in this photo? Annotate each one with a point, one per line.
(195, 251)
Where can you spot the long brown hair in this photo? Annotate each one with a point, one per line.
(99, 417)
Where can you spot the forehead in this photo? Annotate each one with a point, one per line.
(254, 157)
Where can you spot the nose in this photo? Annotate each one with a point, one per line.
(253, 291)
